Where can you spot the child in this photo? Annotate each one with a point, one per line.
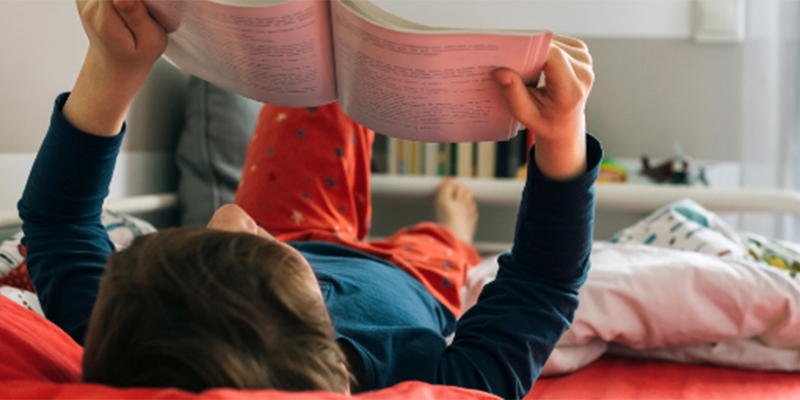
(234, 305)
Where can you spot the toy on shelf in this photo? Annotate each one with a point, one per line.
(612, 172)
(676, 170)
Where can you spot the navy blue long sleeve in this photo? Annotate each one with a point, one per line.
(520, 316)
(60, 208)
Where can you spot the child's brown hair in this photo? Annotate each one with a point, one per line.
(197, 309)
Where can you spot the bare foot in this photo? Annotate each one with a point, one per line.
(456, 209)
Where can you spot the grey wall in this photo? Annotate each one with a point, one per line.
(650, 93)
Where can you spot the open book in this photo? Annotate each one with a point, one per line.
(393, 76)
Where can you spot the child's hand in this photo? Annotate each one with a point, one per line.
(124, 42)
(554, 112)
(123, 33)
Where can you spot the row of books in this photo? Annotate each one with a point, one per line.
(467, 160)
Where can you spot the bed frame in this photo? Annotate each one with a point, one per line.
(610, 198)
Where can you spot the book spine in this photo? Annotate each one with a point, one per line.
(406, 157)
(444, 159)
(431, 164)
(464, 160)
(378, 164)
(391, 156)
(486, 159)
(401, 157)
(501, 160)
(453, 160)
(413, 158)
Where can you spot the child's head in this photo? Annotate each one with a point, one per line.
(200, 308)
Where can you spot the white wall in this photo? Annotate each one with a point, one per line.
(582, 18)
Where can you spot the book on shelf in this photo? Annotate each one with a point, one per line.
(380, 153)
(400, 78)
(431, 154)
(465, 160)
(485, 155)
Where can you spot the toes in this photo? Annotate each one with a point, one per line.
(445, 188)
(464, 194)
(451, 190)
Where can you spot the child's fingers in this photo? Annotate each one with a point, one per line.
(517, 95)
(445, 188)
(580, 60)
(449, 190)
(559, 73)
(146, 31)
(579, 52)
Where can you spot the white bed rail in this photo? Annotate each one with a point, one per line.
(137, 204)
(609, 197)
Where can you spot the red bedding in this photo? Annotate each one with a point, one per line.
(623, 378)
(38, 360)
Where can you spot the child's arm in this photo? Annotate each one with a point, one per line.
(66, 244)
(502, 343)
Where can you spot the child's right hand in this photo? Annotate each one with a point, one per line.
(123, 34)
(554, 113)
(124, 43)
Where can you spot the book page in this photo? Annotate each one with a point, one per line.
(279, 54)
(429, 86)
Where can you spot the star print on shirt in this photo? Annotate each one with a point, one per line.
(331, 182)
(301, 133)
(297, 216)
(339, 152)
(281, 117)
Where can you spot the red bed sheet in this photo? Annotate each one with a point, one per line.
(624, 378)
